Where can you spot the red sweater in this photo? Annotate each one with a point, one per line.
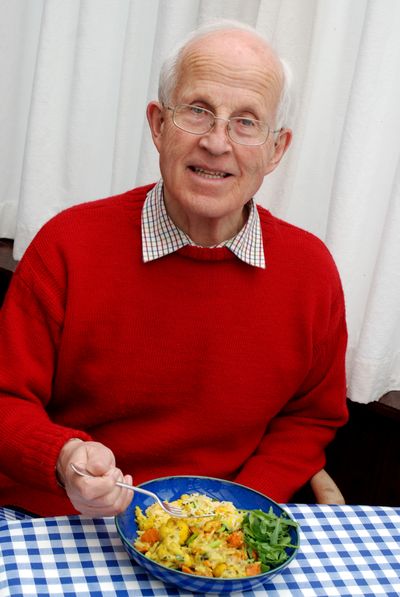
(196, 363)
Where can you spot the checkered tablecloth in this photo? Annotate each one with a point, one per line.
(345, 550)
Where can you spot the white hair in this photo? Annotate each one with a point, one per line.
(170, 68)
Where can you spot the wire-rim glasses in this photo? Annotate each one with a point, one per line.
(199, 121)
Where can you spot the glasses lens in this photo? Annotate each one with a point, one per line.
(199, 121)
(248, 131)
(193, 119)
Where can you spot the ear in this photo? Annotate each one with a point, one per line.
(155, 118)
(281, 144)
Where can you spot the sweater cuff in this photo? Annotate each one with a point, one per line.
(41, 459)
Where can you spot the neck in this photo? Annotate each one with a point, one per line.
(208, 231)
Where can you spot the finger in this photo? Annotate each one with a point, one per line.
(114, 472)
(103, 489)
(90, 489)
(110, 504)
(100, 505)
(99, 495)
(125, 495)
(120, 499)
(100, 459)
(122, 502)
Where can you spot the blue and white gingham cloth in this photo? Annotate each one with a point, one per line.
(345, 550)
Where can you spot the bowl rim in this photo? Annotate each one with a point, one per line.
(200, 576)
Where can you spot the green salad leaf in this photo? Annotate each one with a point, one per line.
(267, 537)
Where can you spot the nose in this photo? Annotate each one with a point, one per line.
(216, 141)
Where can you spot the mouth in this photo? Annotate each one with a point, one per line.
(210, 174)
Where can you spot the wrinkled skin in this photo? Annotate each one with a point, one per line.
(93, 497)
(231, 74)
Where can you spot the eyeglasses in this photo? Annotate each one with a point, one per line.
(199, 121)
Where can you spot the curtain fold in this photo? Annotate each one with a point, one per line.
(76, 76)
(364, 222)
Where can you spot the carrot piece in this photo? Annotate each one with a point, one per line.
(235, 539)
(253, 569)
(186, 569)
(150, 536)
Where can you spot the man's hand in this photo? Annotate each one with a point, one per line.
(93, 497)
(325, 489)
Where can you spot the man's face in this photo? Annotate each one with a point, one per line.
(208, 178)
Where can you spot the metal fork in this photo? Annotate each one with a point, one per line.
(171, 510)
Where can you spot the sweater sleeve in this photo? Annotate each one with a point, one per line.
(293, 447)
(31, 321)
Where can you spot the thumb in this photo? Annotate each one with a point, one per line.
(99, 459)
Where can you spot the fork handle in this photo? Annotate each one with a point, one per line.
(134, 488)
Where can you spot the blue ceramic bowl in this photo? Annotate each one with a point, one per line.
(171, 488)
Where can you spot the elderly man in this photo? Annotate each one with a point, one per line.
(208, 338)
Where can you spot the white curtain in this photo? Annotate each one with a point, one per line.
(75, 79)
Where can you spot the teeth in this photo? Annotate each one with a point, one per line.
(208, 174)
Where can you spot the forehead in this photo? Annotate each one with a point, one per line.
(233, 62)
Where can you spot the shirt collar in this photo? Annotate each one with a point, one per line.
(160, 236)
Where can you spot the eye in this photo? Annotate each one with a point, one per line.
(197, 111)
(246, 122)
